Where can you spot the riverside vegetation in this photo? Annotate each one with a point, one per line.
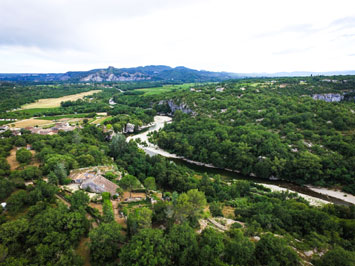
(267, 127)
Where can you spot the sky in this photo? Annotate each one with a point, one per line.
(55, 36)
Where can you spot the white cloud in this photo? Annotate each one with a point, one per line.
(229, 35)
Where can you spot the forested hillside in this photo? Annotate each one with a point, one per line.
(272, 128)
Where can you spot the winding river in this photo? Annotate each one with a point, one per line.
(316, 196)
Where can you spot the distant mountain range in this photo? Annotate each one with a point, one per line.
(151, 73)
(146, 73)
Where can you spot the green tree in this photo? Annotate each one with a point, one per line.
(60, 172)
(105, 242)
(79, 200)
(138, 219)
(6, 188)
(149, 183)
(128, 182)
(147, 247)
(271, 250)
(23, 155)
(183, 245)
(189, 206)
(17, 201)
(118, 145)
(4, 167)
(216, 208)
(337, 257)
(211, 245)
(239, 250)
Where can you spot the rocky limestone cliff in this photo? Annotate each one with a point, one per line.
(105, 76)
(329, 97)
(183, 107)
(129, 128)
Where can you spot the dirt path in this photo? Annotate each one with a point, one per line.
(83, 250)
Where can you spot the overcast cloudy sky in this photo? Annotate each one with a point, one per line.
(219, 35)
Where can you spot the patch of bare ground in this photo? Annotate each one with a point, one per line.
(126, 195)
(228, 212)
(83, 250)
(218, 223)
(97, 206)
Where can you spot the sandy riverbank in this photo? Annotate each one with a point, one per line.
(334, 193)
(312, 200)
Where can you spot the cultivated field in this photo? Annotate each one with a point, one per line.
(55, 102)
(31, 123)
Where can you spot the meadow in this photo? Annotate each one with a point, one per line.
(55, 102)
(165, 88)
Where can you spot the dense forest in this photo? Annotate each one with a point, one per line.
(269, 127)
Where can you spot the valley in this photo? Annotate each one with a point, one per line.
(252, 161)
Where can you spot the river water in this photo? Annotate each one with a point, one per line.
(314, 197)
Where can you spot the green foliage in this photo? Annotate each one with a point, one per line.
(118, 145)
(6, 188)
(4, 167)
(79, 200)
(211, 244)
(183, 247)
(267, 128)
(107, 209)
(149, 183)
(129, 182)
(239, 249)
(139, 219)
(17, 201)
(271, 250)
(147, 247)
(337, 257)
(105, 242)
(47, 233)
(23, 156)
(216, 209)
(189, 206)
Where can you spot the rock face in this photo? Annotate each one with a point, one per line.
(329, 97)
(129, 128)
(103, 76)
(175, 107)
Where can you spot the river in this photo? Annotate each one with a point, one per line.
(316, 196)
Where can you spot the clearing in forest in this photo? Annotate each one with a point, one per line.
(11, 159)
(55, 102)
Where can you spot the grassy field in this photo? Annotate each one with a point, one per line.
(34, 111)
(55, 102)
(30, 123)
(100, 120)
(165, 88)
(57, 117)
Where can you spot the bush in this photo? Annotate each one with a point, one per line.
(216, 209)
